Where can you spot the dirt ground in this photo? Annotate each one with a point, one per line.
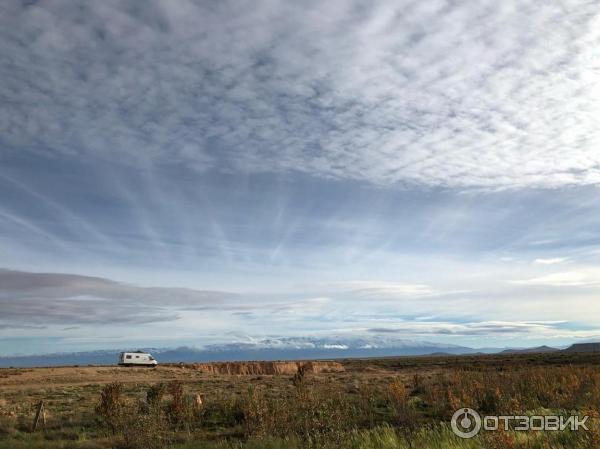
(14, 379)
(25, 378)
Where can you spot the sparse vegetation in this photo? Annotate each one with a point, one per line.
(110, 408)
(387, 403)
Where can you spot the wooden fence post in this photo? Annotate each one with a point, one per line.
(39, 412)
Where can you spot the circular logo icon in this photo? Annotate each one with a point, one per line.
(466, 423)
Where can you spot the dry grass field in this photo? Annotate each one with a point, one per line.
(403, 402)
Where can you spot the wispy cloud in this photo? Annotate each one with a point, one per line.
(520, 329)
(376, 289)
(308, 306)
(550, 260)
(74, 307)
(562, 279)
(421, 150)
(487, 94)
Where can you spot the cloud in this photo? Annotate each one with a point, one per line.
(483, 328)
(492, 94)
(310, 306)
(42, 305)
(562, 279)
(387, 289)
(551, 261)
(43, 299)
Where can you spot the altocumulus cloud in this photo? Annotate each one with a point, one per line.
(487, 94)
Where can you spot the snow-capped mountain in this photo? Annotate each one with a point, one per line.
(271, 348)
(331, 343)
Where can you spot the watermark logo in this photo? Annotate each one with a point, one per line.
(466, 423)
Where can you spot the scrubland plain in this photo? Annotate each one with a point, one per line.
(403, 402)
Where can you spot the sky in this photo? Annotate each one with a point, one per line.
(199, 172)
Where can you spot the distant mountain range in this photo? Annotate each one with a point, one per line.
(584, 347)
(539, 349)
(280, 349)
(286, 348)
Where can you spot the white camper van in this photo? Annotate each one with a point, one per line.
(137, 358)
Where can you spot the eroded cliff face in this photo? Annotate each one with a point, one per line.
(258, 368)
